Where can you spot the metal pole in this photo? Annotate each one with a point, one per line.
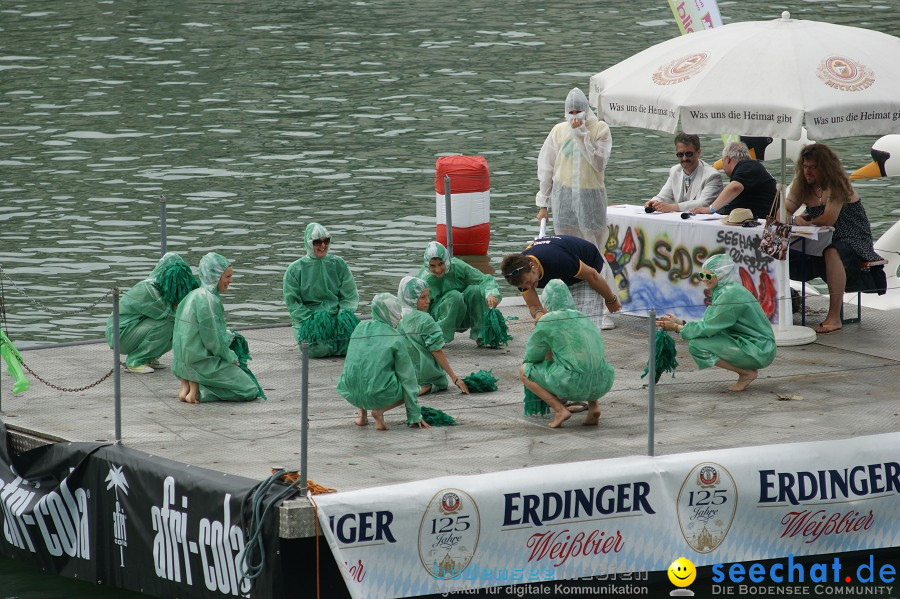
(117, 375)
(651, 387)
(448, 216)
(162, 225)
(304, 414)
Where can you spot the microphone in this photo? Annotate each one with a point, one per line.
(648, 209)
(686, 215)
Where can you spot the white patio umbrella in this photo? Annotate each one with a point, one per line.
(760, 78)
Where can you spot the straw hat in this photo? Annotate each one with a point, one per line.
(738, 216)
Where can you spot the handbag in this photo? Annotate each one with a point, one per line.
(776, 234)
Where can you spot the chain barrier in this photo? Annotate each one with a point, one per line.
(51, 310)
(66, 389)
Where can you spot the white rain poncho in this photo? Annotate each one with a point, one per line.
(734, 327)
(202, 343)
(578, 370)
(378, 371)
(422, 333)
(321, 297)
(459, 297)
(570, 171)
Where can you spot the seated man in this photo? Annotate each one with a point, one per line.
(751, 184)
(822, 186)
(692, 183)
(577, 262)
(564, 359)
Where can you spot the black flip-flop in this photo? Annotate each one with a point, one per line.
(576, 406)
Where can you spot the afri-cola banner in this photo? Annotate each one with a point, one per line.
(115, 516)
(637, 514)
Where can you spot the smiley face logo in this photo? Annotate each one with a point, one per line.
(682, 572)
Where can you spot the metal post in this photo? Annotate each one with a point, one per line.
(117, 375)
(448, 215)
(651, 387)
(304, 414)
(162, 225)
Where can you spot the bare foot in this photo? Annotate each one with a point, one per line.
(559, 418)
(424, 390)
(185, 388)
(378, 417)
(362, 417)
(194, 394)
(593, 416)
(744, 380)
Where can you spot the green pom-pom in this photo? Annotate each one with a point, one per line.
(176, 281)
(435, 417)
(481, 381)
(241, 348)
(346, 323)
(534, 405)
(318, 329)
(665, 356)
(494, 331)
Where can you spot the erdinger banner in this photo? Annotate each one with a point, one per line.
(119, 517)
(613, 516)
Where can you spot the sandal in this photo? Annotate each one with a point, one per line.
(826, 329)
(576, 406)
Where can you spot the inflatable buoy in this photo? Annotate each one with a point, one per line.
(470, 199)
(12, 358)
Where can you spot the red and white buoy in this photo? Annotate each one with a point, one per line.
(470, 197)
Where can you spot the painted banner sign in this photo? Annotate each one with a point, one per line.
(634, 514)
(118, 517)
(656, 259)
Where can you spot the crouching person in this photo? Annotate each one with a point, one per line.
(378, 372)
(564, 358)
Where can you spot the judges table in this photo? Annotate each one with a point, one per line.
(656, 259)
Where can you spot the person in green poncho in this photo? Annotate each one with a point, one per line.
(564, 357)
(734, 332)
(425, 339)
(320, 295)
(204, 361)
(460, 293)
(378, 372)
(147, 314)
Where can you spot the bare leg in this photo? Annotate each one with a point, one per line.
(362, 417)
(561, 413)
(193, 395)
(593, 416)
(745, 377)
(378, 416)
(424, 390)
(837, 282)
(185, 388)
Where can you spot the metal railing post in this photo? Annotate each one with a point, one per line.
(304, 415)
(651, 386)
(163, 243)
(117, 375)
(448, 215)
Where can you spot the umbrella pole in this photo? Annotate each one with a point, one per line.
(786, 333)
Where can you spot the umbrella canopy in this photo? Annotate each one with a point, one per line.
(760, 78)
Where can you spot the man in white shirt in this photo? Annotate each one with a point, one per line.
(692, 183)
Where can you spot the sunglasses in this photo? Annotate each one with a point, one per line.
(707, 276)
(514, 274)
(750, 223)
(684, 154)
(323, 241)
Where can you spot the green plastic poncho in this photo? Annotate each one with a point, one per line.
(378, 370)
(458, 299)
(201, 340)
(147, 311)
(578, 370)
(323, 285)
(422, 333)
(734, 327)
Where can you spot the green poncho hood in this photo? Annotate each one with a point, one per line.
(212, 266)
(437, 250)
(556, 296)
(722, 266)
(386, 309)
(409, 292)
(313, 231)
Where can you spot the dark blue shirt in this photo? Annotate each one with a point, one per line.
(560, 257)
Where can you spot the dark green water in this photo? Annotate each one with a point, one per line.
(255, 118)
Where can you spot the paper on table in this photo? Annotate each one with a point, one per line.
(810, 232)
(707, 217)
